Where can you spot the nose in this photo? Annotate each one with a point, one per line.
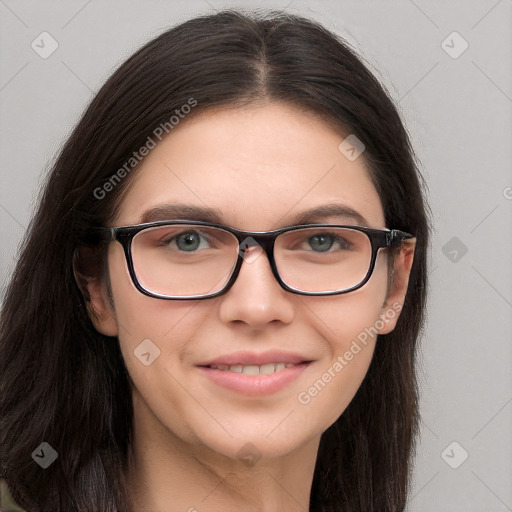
(256, 298)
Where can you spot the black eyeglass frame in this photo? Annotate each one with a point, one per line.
(379, 238)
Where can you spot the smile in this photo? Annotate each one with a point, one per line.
(264, 369)
(254, 380)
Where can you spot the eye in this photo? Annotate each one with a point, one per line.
(323, 242)
(188, 241)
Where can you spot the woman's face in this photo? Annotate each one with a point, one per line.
(260, 168)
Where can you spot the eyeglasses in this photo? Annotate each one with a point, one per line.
(185, 259)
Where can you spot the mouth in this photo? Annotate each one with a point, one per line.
(255, 374)
(253, 369)
(259, 359)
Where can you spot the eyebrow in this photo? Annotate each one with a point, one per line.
(213, 215)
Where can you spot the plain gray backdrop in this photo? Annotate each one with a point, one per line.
(447, 66)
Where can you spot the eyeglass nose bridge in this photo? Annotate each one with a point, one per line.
(248, 240)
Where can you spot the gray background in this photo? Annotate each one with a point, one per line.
(458, 112)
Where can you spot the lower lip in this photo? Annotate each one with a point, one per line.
(254, 385)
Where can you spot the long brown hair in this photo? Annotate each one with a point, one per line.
(64, 383)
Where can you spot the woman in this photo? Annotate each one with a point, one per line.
(246, 339)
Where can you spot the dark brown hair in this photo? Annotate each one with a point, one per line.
(64, 383)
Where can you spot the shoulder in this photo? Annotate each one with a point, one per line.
(7, 503)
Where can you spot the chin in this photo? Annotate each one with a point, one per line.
(254, 444)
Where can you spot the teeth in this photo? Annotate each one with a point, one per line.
(253, 369)
(267, 369)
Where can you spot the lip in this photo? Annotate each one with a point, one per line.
(254, 385)
(246, 358)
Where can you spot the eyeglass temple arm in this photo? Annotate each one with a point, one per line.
(397, 236)
(101, 235)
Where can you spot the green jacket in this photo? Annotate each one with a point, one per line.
(7, 503)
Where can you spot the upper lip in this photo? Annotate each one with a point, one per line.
(246, 358)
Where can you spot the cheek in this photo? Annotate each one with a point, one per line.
(341, 318)
(153, 337)
(349, 325)
(145, 324)
(138, 315)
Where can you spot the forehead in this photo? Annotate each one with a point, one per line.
(257, 167)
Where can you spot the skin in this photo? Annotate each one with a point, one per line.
(260, 166)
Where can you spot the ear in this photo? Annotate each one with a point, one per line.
(92, 284)
(398, 287)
